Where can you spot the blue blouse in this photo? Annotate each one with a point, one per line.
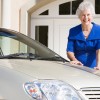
(84, 49)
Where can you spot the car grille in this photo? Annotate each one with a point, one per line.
(91, 93)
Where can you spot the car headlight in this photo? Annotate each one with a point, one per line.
(51, 90)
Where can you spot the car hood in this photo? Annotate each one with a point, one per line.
(40, 69)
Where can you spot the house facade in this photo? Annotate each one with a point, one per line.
(47, 21)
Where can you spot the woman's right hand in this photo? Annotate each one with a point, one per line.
(71, 56)
(76, 62)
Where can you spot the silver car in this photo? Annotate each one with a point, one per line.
(31, 71)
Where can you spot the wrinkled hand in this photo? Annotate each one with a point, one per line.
(97, 68)
(76, 62)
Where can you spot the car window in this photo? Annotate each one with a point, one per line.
(17, 45)
(10, 46)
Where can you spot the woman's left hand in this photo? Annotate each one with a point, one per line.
(97, 67)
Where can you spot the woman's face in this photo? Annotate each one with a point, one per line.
(86, 17)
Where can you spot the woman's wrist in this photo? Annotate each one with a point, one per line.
(74, 59)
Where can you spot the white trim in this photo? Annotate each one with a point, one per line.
(97, 16)
(54, 17)
(27, 10)
(44, 22)
(24, 16)
(52, 7)
(61, 17)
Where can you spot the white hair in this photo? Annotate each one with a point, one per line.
(85, 5)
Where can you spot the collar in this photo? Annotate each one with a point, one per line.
(76, 33)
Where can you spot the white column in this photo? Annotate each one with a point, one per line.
(6, 13)
(0, 13)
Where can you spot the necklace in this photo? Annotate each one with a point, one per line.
(86, 31)
(86, 34)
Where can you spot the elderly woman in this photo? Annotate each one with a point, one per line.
(83, 46)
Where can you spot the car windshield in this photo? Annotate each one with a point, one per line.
(18, 46)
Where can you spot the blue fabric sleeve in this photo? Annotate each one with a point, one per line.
(98, 45)
(70, 45)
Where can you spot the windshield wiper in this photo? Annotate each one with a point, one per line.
(32, 56)
(55, 58)
(20, 56)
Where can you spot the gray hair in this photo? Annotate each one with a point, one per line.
(84, 6)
